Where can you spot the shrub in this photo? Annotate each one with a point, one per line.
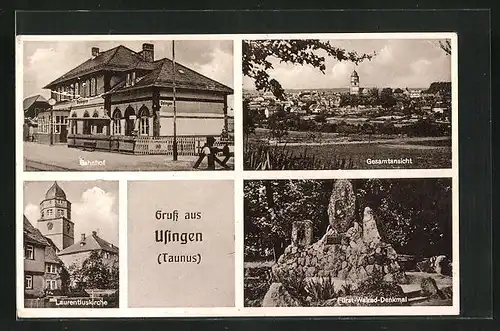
(346, 290)
(320, 289)
(266, 157)
(374, 287)
(78, 293)
(257, 282)
(295, 285)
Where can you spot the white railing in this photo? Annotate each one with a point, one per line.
(186, 145)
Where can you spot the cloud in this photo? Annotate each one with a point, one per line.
(95, 212)
(398, 63)
(341, 71)
(45, 61)
(32, 213)
(385, 56)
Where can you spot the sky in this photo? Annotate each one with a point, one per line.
(94, 206)
(45, 61)
(398, 63)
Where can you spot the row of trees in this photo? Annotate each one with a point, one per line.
(92, 273)
(414, 215)
(280, 122)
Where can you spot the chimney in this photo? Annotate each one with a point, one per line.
(95, 51)
(83, 236)
(148, 52)
(94, 233)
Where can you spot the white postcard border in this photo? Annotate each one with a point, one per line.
(238, 176)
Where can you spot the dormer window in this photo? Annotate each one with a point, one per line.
(92, 86)
(130, 79)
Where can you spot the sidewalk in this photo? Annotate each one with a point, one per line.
(59, 157)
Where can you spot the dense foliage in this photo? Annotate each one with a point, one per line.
(93, 273)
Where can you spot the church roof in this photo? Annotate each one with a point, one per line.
(51, 252)
(354, 74)
(89, 243)
(55, 191)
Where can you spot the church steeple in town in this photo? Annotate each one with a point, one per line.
(354, 88)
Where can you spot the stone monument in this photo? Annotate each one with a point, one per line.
(348, 251)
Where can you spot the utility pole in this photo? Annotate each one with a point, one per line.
(51, 102)
(174, 147)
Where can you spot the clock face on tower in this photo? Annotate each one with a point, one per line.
(50, 225)
(68, 227)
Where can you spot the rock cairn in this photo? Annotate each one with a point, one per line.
(349, 251)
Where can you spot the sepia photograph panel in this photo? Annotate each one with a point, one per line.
(127, 105)
(348, 242)
(70, 243)
(347, 104)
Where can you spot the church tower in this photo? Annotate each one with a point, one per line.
(354, 89)
(55, 218)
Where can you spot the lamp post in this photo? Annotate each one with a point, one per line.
(51, 102)
(174, 147)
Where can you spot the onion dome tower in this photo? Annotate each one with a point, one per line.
(55, 217)
(354, 88)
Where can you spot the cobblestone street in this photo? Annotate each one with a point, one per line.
(59, 157)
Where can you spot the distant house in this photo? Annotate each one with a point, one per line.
(79, 251)
(57, 127)
(268, 96)
(42, 267)
(32, 108)
(34, 105)
(414, 94)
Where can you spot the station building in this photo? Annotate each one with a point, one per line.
(122, 100)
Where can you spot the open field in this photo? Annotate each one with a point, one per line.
(360, 154)
(424, 152)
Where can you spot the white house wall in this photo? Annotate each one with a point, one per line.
(191, 126)
(192, 95)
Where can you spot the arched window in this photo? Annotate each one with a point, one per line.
(144, 121)
(72, 90)
(86, 123)
(77, 90)
(87, 88)
(117, 115)
(98, 123)
(129, 122)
